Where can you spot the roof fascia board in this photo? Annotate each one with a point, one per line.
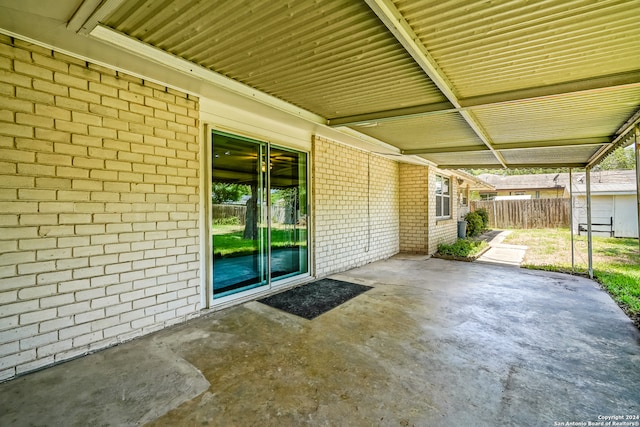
(160, 56)
(385, 148)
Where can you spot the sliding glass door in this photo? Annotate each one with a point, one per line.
(288, 225)
(259, 214)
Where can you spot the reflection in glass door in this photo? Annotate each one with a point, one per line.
(288, 195)
(238, 211)
(252, 181)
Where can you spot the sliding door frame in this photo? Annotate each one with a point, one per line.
(206, 216)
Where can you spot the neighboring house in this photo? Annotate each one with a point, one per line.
(614, 206)
(537, 186)
(614, 209)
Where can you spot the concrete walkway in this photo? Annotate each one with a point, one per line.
(434, 343)
(502, 253)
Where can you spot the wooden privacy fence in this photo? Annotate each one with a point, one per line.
(229, 211)
(279, 213)
(531, 213)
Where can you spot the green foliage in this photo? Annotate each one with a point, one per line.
(475, 224)
(224, 193)
(621, 158)
(622, 281)
(485, 217)
(230, 220)
(462, 248)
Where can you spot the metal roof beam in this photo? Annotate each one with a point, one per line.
(558, 143)
(440, 150)
(491, 100)
(402, 31)
(630, 78)
(528, 145)
(512, 165)
(395, 114)
(85, 24)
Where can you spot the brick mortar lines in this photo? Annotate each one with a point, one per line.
(345, 235)
(99, 181)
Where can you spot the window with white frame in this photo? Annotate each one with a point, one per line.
(443, 197)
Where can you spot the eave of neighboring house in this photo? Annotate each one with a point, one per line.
(614, 181)
(539, 182)
(475, 183)
(608, 189)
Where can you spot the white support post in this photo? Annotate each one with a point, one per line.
(589, 236)
(636, 136)
(573, 263)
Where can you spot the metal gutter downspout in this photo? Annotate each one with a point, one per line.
(573, 263)
(589, 236)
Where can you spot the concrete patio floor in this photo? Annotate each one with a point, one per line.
(435, 343)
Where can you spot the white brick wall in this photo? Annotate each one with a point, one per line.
(420, 231)
(98, 207)
(356, 203)
(414, 199)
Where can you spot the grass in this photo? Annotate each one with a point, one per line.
(616, 262)
(231, 243)
(462, 248)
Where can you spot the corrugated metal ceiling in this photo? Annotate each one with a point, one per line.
(441, 130)
(528, 71)
(576, 115)
(498, 46)
(333, 58)
(566, 155)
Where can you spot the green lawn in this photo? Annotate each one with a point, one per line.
(616, 262)
(231, 242)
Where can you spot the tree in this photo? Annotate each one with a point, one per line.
(621, 158)
(224, 192)
(251, 222)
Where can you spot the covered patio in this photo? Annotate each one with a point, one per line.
(434, 342)
(110, 111)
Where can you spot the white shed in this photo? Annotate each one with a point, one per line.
(614, 210)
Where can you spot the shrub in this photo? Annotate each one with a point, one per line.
(229, 220)
(462, 248)
(485, 217)
(474, 224)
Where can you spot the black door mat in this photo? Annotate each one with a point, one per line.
(315, 298)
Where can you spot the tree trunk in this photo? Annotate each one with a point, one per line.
(251, 219)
